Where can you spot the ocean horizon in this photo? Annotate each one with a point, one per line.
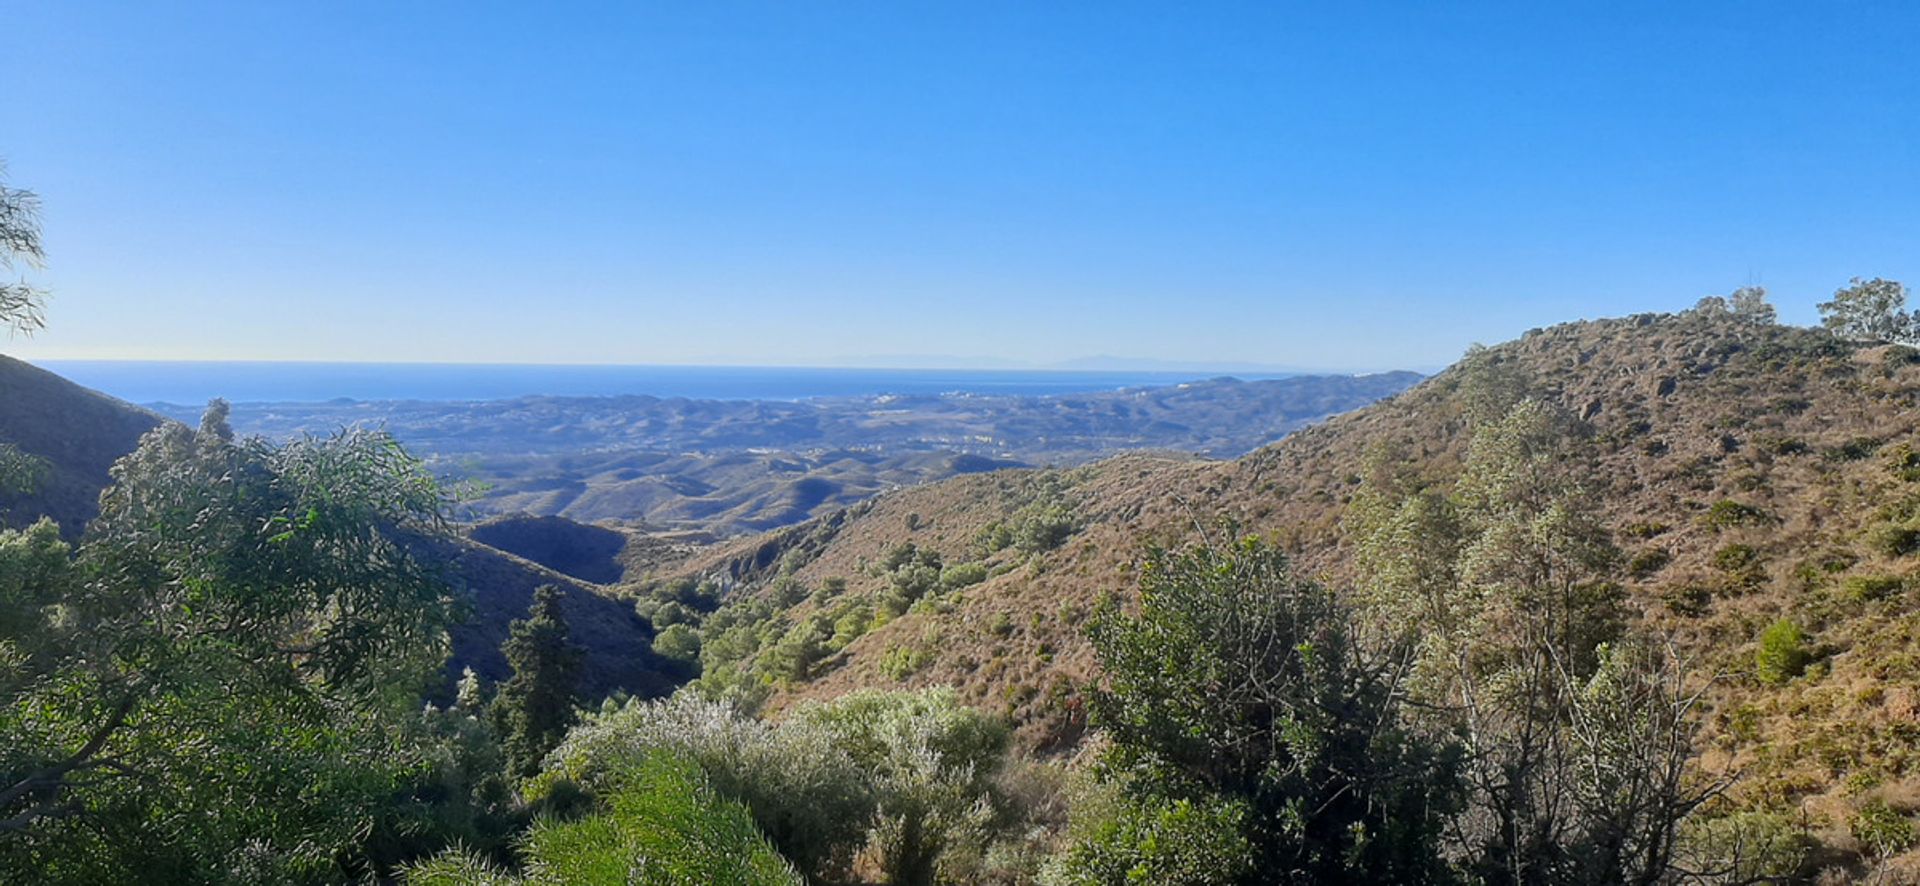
(187, 383)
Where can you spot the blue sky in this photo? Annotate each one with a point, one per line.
(1344, 186)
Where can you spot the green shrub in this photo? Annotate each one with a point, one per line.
(1782, 654)
(661, 823)
(930, 761)
(1893, 539)
(961, 575)
(1648, 562)
(1883, 830)
(1906, 463)
(1868, 588)
(1736, 558)
(1852, 450)
(902, 662)
(1727, 514)
(678, 642)
(802, 790)
(1748, 847)
(1689, 599)
(1156, 841)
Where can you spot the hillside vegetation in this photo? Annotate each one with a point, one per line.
(1760, 482)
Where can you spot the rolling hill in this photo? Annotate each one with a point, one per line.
(1749, 472)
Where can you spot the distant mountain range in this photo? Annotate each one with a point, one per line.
(727, 466)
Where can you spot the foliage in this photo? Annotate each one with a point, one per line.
(659, 823)
(219, 685)
(535, 706)
(931, 761)
(20, 471)
(1749, 303)
(1870, 310)
(804, 791)
(678, 642)
(21, 305)
(1576, 733)
(1883, 830)
(1745, 847)
(1159, 841)
(1782, 654)
(1237, 683)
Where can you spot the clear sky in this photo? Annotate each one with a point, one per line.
(1333, 185)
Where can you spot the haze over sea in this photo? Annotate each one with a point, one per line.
(264, 382)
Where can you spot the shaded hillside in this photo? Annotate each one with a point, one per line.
(1748, 472)
(78, 433)
(619, 655)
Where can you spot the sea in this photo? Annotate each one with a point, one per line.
(194, 383)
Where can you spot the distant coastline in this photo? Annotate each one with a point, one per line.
(188, 383)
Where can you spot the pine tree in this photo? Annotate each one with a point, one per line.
(534, 707)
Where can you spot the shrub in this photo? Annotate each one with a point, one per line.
(801, 789)
(1331, 794)
(660, 822)
(1736, 558)
(961, 575)
(1868, 588)
(1747, 847)
(1882, 829)
(1157, 841)
(1727, 514)
(1648, 562)
(678, 642)
(902, 662)
(1893, 540)
(931, 763)
(1783, 653)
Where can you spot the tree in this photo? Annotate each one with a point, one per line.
(535, 705)
(1575, 734)
(20, 304)
(214, 687)
(1870, 310)
(1749, 303)
(1238, 683)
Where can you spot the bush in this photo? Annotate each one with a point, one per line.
(1159, 842)
(1648, 562)
(1893, 540)
(902, 662)
(1332, 791)
(679, 643)
(1749, 847)
(1883, 830)
(961, 575)
(1868, 588)
(802, 790)
(1783, 653)
(1727, 514)
(931, 763)
(659, 823)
